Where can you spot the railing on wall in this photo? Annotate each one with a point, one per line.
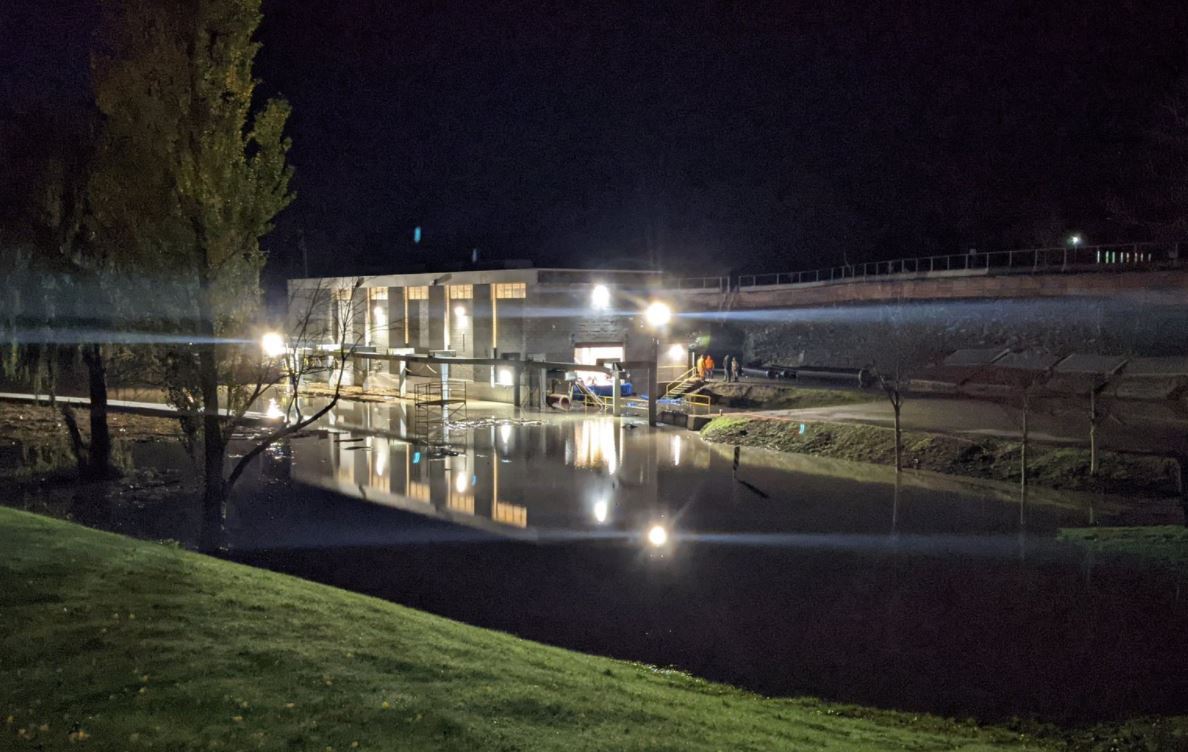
(1025, 261)
(709, 284)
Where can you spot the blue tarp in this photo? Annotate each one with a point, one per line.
(604, 390)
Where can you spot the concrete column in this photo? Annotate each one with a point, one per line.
(356, 334)
(437, 318)
(653, 387)
(481, 328)
(543, 383)
(616, 386)
(517, 377)
(396, 323)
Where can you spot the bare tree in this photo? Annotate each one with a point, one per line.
(292, 368)
(894, 385)
(909, 346)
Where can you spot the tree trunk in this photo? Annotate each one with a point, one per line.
(98, 463)
(214, 492)
(1093, 432)
(1182, 483)
(1023, 449)
(896, 404)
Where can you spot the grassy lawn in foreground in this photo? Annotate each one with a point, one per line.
(108, 643)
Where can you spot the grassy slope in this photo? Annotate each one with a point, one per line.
(1053, 467)
(144, 646)
(1164, 543)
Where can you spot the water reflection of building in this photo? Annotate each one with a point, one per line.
(397, 473)
(583, 472)
(596, 443)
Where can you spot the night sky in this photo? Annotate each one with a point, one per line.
(705, 137)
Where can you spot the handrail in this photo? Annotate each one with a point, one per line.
(1031, 260)
(716, 284)
(697, 402)
(1020, 261)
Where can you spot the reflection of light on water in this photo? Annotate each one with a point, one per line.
(509, 514)
(274, 411)
(418, 491)
(676, 450)
(381, 456)
(657, 536)
(505, 432)
(600, 510)
(594, 445)
(460, 482)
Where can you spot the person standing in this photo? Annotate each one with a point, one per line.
(709, 366)
(735, 368)
(701, 367)
(726, 368)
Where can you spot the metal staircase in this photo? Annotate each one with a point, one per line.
(686, 383)
(587, 396)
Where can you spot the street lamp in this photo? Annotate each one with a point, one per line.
(273, 345)
(600, 297)
(657, 536)
(658, 315)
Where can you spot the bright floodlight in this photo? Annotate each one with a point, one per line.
(460, 311)
(601, 507)
(1075, 240)
(658, 314)
(676, 352)
(600, 297)
(273, 345)
(657, 536)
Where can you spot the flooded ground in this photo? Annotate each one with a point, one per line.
(788, 575)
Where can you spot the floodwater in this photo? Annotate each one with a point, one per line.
(787, 575)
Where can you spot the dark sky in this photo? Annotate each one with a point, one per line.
(705, 136)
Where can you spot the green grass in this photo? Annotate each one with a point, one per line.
(1163, 543)
(1065, 468)
(114, 644)
(780, 397)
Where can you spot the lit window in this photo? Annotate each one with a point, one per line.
(377, 293)
(420, 292)
(461, 292)
(504, 290)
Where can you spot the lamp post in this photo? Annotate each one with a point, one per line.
(657, 316)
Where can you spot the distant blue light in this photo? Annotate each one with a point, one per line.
(801, 428)
(417, 234)
(474, 480)
(416, 458)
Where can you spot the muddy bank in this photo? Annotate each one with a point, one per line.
(1062, 468)
(157, 494)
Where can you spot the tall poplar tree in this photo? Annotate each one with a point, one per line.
(190, 177)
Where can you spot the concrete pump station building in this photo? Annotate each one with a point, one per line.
(517, 316)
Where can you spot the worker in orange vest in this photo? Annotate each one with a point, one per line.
(709, 366)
